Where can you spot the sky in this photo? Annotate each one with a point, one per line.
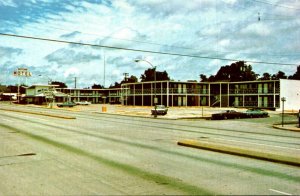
(184, 38)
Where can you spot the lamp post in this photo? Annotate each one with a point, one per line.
(155, 98)
(283, 99)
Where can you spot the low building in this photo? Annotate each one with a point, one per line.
(111, 96)
(43, 94)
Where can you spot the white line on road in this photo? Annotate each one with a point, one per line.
(4, 119)
(283, 193)
(29, 117)
(258, 144)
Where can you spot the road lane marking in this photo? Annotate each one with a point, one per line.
(257, 144)
(283, 193)
(29, 117)
(7, 120)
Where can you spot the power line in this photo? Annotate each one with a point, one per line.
(276, 5)
(138, 50)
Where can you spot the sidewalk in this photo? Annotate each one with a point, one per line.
(290, 127)
(173, 112)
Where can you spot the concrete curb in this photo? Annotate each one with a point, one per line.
(276, 126)
(240, 151)
(40, 113)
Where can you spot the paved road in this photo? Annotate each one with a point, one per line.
(110, 154)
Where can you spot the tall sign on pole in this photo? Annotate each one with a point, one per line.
(21, 72)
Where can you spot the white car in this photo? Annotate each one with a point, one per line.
(160, 110)
(83, 103)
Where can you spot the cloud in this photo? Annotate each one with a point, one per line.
(8, 3)
(72, 71)
(257, 29)
(70, 35)
(225, 29)
(8, 52)
(71, 56)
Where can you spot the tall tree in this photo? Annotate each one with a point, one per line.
(266, 76)
(203, 78)
(149, 75)
(279, 75)
(238, 71)
(296, 75)
(131, 79)
(97, 86)
(60, 84)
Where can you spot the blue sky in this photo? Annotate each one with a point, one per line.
(225, 29)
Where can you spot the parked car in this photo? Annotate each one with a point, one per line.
(83, 103)
(66, 104)
(228, 114)
(256, 113)
(160, 110)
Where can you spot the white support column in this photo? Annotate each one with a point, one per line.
(228, 95)
(151, 93)
(142, 94)
(167, 93)
(161, 94)
(134, 95)
(209, 95)
(220, 95)
(274, 94)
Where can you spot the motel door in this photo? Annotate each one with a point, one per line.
(265, 101)
(259, 101)
(179, 101)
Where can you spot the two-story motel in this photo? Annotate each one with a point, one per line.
(258, 94)
(248, 94)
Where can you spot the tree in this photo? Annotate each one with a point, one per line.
(149, 75)
(116, 85)
(238, 71)
(131, 79)
(97, 86)
(60, 84)
(266, 76)
(296, 75)
(279, 75)
(203, 78)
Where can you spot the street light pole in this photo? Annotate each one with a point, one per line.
(283, 99)
(155, 98)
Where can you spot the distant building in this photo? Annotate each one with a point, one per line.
(8, 96)
(111, 96)
(43, 94)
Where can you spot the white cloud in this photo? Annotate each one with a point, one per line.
(194, 27)
(257, 29)
(71, 71)
(9, 3)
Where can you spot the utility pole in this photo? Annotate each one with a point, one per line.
(104, 69)
(75, 81)
(283, 99)
(125, 76)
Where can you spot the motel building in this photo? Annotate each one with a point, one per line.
(266, 94)
(247, 94)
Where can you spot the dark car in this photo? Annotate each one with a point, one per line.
(66, 104)
(160, 110)
(256, 113)
(228, 114)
